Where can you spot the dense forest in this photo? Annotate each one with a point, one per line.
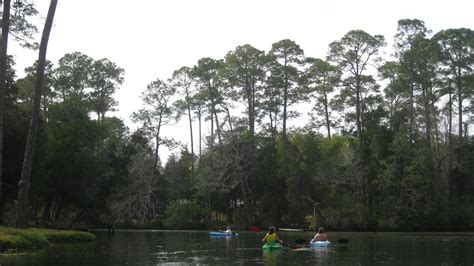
(375, 143)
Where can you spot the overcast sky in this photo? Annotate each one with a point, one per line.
(152, 38)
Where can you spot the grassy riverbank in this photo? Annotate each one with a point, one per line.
(12, 239)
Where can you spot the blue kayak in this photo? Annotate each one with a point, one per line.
(217, 233)
(320, 244)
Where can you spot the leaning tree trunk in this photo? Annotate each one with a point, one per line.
(24, 184)
(3, 88)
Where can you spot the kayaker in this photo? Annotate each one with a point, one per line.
(320, 235)
(271, 236)
(228, 231)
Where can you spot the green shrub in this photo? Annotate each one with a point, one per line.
(7, 242)
(12, 239)
(65, 236)
(17, 239)
(33, 239)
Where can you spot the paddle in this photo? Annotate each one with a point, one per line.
(294, 246)
(254, 229)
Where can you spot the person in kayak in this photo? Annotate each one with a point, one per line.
(320, 235)
(271, 236)
(228, 231)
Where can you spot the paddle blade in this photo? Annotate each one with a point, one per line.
(254, 229)
(343, 240)
(300, 241)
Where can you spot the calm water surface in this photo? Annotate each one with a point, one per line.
(197, 248)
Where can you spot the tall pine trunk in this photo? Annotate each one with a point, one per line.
(412, 101)
(200, 133)
(218, 128)
(285, 102)
(360, 175)
(427, 114)
(157, 138)
(250, 105)
(326, 111)
(460, 98)
(191, 133)
(24, 184)
(211, 143)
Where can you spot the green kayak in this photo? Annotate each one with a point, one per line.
(271, 246)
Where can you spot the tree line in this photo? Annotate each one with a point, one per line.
(387, 144)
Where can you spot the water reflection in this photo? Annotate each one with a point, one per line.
(271, 256)
(196, 247)
(321, 254)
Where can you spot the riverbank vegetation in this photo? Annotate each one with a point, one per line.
(12, 239)
(358, 141)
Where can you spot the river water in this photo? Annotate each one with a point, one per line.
(197, 248)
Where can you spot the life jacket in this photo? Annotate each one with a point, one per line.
(271, 238)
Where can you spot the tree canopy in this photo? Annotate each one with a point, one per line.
(352, 141)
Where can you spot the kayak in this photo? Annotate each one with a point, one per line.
(271, 246)
(320, 244)
(217, 233)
